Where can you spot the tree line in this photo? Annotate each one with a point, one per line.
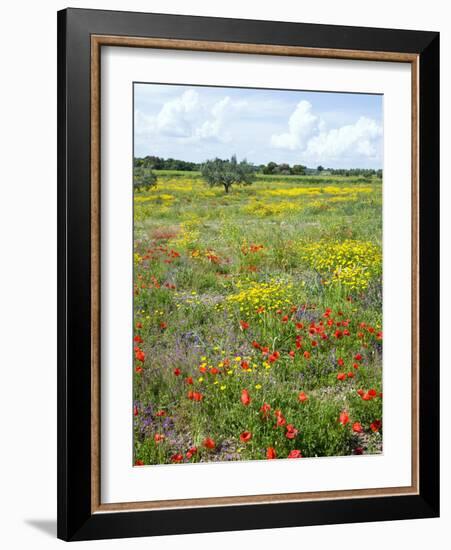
(159, 163)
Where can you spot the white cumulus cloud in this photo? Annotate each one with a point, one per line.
(359, 138)
(177, 115)
(301, 125)
(309, 134)
(187, 118)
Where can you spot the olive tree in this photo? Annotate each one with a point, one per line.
(143, 178)
(219, 172)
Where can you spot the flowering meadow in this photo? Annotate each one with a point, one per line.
(257, 319)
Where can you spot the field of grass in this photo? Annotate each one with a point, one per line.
(257, 319)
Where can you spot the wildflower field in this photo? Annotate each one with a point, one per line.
(257, 319)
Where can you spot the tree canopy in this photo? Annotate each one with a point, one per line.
(219, 172)
(143, 178)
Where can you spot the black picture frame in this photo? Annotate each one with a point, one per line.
(75, 518)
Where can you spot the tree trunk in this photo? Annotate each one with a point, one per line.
(226, 187)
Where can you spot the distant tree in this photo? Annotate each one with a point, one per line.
(155, 163)
(270, 168)
(298, 169)
(283, 169)
(219, 172)
(320, 168)
(143, 178)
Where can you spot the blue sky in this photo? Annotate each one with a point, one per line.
(195, 123)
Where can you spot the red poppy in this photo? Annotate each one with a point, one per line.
(208, 443)
(214, 370)
(343, 419)
(139, 325)
(271, 453)
(360, 392)
(245, 437)
(265, 350)
(307, 354)
(177, 372)
(357, 427)
(292, 353)
(245, 398)
(314, 343)
(340, 362)
(178, 457)
(189, 380)
(338, 333)
(161, 413)
(138, 339)
(355, 365)
(372, 392)
(295, 454)
(244, 365)
(375, 426)
(140, 355)
(256, 345)
(346, 332)
(350, 374)
(138, 369)
(192, 451)
(280, 419)
(163, 325)
(291, 432)
(299, 326)
(366, 396)
(197, 396)
(358, 451)
(159, 437)
(341, 376)
(135, 410)
(264, 409)
(139, 463)
(298, 344)
(244, 325)
(302, 397)
(284, 319)
(379, 335)
(203, 369)
(358, 357)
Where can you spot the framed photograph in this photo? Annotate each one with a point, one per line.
(248, 274)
